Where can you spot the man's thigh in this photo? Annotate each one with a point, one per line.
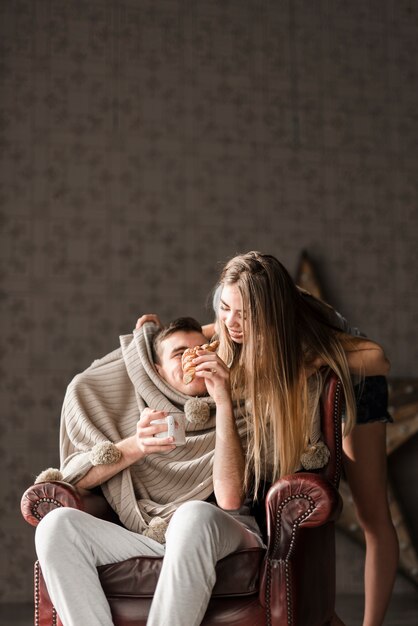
(71, 529)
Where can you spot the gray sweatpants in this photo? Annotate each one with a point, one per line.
(71, 544)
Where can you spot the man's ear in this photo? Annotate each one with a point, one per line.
(158, 368)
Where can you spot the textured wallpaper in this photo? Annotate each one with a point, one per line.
(143, 143)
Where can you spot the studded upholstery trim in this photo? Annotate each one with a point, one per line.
(34, 508)
(274, 563)
(54, 615)
(37, 593)
(337, 430)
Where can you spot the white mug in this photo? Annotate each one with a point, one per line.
(176, 427)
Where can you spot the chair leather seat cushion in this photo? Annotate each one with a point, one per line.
(236, 575)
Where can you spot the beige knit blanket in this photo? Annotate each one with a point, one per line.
(104, 403)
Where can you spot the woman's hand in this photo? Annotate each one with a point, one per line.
(148, 317)
(216, 374)
(145, 431)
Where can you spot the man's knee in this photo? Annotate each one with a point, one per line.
(196, 512)
(194, 521)
(57, 527)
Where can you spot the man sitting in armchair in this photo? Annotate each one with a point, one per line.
(170, 499)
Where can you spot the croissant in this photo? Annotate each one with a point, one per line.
(189, 369)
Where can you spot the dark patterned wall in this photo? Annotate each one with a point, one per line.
(145, 142)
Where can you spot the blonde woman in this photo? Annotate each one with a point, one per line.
(275, 339)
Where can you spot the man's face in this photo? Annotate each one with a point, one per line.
(170, 352)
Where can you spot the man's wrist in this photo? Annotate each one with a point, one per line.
(130, 450)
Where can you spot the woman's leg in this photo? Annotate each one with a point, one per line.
(70, 545)
(365, 464)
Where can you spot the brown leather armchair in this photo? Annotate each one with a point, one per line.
(291, 583)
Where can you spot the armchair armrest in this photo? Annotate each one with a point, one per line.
(294, 504)
(41, 498)
(297, 501)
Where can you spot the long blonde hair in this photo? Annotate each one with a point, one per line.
(283, 334)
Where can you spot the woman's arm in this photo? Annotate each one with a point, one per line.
(209, 330)
(365, 357)
(229, 461)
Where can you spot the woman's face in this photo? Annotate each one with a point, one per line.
(231, 312)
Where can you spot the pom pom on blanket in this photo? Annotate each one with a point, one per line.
(49, 474)
(156, 529)
(315, 456)
(196, 411)
(105, 453)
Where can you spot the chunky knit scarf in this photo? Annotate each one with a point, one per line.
(103, 404)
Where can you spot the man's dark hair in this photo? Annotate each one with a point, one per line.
(187, 324)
